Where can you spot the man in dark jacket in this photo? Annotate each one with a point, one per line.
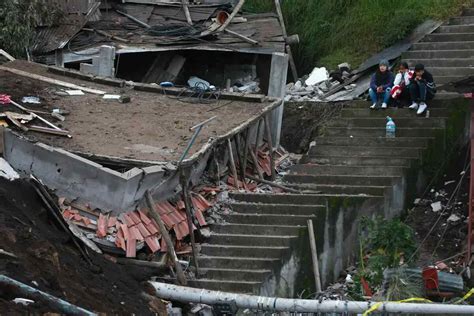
(422, 88)
(381, 84)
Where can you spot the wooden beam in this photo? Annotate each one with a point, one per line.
(314, 255)
(164, 233)
(7, 55)
(236, 10)
(188, 205)
(232, 163)
(270, 144)
(48, 130)
(242, 37)
(51, 80)
(186, 11)
(294, 72)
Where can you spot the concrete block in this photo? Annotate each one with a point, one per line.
(102, 65)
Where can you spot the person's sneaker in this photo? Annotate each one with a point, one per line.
(422, 108)
(384, 105)
(413, 106)
(373, 106)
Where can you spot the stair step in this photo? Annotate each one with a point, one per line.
(461, 20)
(442, 62)
(438, 104)
(392, 112)
(267, 219)
(226, 286)
(342, 180)
(427, 54)
(440, 80)
(255, 229)
(251, 240)
(468, 12)
(283, 198)
(237, 262)
(468, 28)
(419, 142)
(311, 169)
(360, 161)
(341, 189)
(282, 209)
(451, 71)
(242, 251)
(380, 131)
(448, 37)
(361, 151)
(401, 122)
(247, 275)
(443, 45)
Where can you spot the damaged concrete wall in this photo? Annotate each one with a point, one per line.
(73, 176)
(336, 233)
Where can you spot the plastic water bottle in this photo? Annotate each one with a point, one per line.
(390, 128)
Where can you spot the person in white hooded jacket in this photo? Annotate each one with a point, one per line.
(401, 82)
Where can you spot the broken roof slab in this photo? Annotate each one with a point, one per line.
(142, 137)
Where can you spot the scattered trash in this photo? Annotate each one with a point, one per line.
(32, 100)
(453, 218)
(166, 84)
(23, 301)
(390, 128)
(58, 116)
(74, 92)
(449, 182)
(436, 206)
(4, 99)
(6, 171)
(318, 75)
(200, 84)
(111, 96)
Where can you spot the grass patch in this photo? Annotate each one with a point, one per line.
(336, 31)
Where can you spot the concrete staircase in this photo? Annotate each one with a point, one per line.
(448, 52)
(241, 254)
(352, 160)
(352, 170)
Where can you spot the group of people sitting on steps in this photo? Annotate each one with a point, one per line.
(407, 86)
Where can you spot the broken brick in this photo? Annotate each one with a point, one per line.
(143, 231)
(112, 221)
(102, 226)
(152, 243)
(145, 219)
(131, 248)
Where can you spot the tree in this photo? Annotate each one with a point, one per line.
(18, 20)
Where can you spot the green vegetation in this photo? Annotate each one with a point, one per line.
(383, 244)
(18, 20)
(336, 31)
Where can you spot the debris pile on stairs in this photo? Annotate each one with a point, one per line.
(314, 86)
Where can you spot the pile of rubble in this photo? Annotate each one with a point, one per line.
(318, 83)
(127, 233)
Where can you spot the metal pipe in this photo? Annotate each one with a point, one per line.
(187, 294)
(37, 295)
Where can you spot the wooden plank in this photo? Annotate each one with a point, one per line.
(16, 122)
(51, 80)
(242, 37)
(288, 48)
(7, 55)
(48, 130)
(270, 145)
(186, 11)
(164, 233)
